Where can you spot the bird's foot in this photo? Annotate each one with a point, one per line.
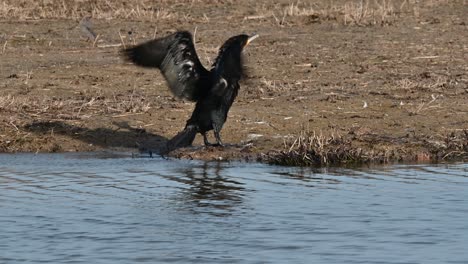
(214, 145)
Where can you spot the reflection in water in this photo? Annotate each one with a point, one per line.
(307, 175)
(207, 190)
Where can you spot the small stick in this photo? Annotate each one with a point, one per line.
(121, 39)
(194, 37)
(426, 57)
(11, 123)
(304, 65)
(4, 46)
(131, 114)
(282, 20)
(95, 40)
(254, 17)
(155, 31)
(110, 45)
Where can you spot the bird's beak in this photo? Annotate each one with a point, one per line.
(254, 36)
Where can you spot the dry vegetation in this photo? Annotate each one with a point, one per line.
(59, 9)
(66, 109)
(348, 12)
(312, 149)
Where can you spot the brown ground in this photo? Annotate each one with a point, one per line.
(388, 77)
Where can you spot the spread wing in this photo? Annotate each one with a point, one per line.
(177, 59)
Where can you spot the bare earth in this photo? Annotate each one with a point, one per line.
(391, 81)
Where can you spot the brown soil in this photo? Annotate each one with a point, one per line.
(388, 79)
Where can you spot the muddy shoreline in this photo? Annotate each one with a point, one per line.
(327, 84)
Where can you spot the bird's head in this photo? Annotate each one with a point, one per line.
(238, 43)
(229, 61)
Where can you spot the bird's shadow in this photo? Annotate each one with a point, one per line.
(123, 136)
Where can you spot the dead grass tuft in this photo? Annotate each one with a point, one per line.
(349, 12)
(312, 149)
(366, 13)
(361, 13)
(53, 9)
(76, 108)
(453, 146)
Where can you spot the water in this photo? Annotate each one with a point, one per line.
(87, 208)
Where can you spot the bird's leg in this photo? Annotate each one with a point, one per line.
(218, 137)
(205, 139)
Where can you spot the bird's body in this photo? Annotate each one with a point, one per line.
(214, 91)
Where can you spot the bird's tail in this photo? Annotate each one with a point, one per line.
(183, 139)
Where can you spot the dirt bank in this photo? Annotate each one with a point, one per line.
(327, 81)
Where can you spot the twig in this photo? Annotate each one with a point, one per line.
(155, 31)
(304, 65)
(123, 115)
(11, 123)
(282, 20)
(95, 40)
(194, 36)
(4, 46)
(426, 57)
(122, 40)
(110, 45)
(453, 152)
(254, 17)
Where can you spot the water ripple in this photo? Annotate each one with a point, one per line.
(94, 209)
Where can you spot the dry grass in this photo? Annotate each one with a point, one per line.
(361, 13)
(365, 13)
(432, 84)
(77, 108)
(64, 116)
(26, 110)
(312, 149)
(53, 9)
(453, 146)
(267, 87)
(349, 12)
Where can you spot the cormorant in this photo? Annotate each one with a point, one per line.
(213, 91)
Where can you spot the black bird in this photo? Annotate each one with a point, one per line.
(213, 90)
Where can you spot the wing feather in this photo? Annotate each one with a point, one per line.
(177, 59)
